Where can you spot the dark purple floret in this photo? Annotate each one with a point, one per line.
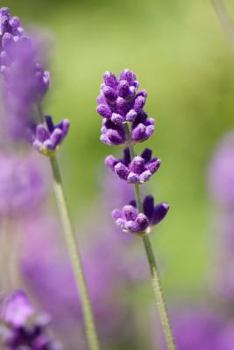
(112, 134)
(48, 137)
(142, 128)
(137, 170)
(130, 219)
(22, 327)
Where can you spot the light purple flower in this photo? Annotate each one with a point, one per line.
(22, 185)
(46, 269)
(22, 327)
(130, 219)
(138, 170)
(47, 138)
(221, 173)
(25, 82)
(197, 328)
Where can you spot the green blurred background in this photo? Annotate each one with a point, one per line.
(183, 59)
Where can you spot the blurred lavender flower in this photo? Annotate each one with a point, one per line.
(221, 173)
(130, 219)
(23, 327)
(196, 328)
(47, 139)
(138, 170)
(25, 82)
(46, 268)
(120, 102)
(22, 185)
(221, 188)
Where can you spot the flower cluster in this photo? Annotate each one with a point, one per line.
(23, 328)
(130, 219)
(120, 102)
(25, 83)
(138, 170)
(121, 105)
(48, 137)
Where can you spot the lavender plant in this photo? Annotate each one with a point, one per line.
(24, 328)
(121, 105)
(25, 83)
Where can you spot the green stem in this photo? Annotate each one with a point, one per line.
(155, 278)
(74, 256)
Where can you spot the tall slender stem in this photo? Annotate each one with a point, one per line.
(155, 278)
(74, 256)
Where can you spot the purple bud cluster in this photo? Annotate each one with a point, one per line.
(23, 328)
(120, 102)
(138, 170)
(130, 219)
(121, 105)
(25, 83)
(47, 138)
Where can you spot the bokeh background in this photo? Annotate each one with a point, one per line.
(183, 59)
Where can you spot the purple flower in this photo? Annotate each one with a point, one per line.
(138, 170)
(25, 82)
(46, 269)
(130, 219)
(197, 328)
(22, 185)
(221, 173)
(23, 327)
(118, 103)
(9, 24)
(47, 138)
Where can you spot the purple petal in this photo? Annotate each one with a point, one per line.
(42, 133)
(117, 118)
(123, 89)
(142, 222)
(133, 178)
(109, 94)
(153, 165)
(130, 212)
(139, 133)
(104, 110)
(148, 207)
(56, 137)
(131, 115)
(137, 165)
(49, 123)
(160, 211)
(121, 170)
(126, 156)
(146, 154)
(116, 214)
(145, 176)
(122, 105)
(111, 161)
(110, 79)
(139, 103)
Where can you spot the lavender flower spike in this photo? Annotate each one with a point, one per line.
(47, 138)
(138, 170)
(125, 122)
(119, 103)
(24, 80)
(22, 327)
(130, 219)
